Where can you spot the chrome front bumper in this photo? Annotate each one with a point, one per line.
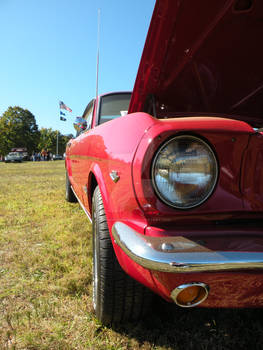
(178, 254)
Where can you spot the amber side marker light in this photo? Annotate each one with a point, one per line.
(190, 294)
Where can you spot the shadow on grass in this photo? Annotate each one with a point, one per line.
(170, 327)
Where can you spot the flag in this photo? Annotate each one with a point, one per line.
(61, 113)
(63, 106)
(63, 119)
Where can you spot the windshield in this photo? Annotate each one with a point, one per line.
(113, 106)
(16, 154)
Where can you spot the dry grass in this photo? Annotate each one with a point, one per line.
(45, 280)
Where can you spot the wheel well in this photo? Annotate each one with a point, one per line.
(92, 185)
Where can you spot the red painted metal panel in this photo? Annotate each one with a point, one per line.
(203, 57)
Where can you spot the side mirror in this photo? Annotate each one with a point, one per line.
(80, 125)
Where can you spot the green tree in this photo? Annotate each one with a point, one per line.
(18, 128)
(63, 140)
(48, 140)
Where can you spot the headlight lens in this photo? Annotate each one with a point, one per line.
(184, 172)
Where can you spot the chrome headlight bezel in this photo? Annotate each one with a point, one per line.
(214, 180)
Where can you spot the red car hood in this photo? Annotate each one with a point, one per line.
(203, 57)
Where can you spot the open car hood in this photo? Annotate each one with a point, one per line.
(203, 57)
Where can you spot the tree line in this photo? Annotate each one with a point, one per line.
(18, 128)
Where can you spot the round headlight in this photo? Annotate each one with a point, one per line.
(184, 172)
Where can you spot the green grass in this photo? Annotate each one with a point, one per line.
(45, 280)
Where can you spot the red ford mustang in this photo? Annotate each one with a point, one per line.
(170, 174)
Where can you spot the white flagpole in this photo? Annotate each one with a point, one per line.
(98, 53)
(57, 143)
(57, 130)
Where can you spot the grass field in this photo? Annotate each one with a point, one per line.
(45, 280)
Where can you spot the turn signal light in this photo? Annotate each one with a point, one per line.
(191, 294)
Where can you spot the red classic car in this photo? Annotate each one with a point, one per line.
(173, 187)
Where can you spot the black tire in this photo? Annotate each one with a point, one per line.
(116, 296)
(70, 196)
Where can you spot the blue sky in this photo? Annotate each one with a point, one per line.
(49, 51)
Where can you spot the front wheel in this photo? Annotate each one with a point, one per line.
(116, 296)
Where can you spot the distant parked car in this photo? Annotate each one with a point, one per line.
(57, 157)
(14, 157)
(22, 151)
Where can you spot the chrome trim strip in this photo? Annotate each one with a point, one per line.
(82, 206)
(142, 252)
